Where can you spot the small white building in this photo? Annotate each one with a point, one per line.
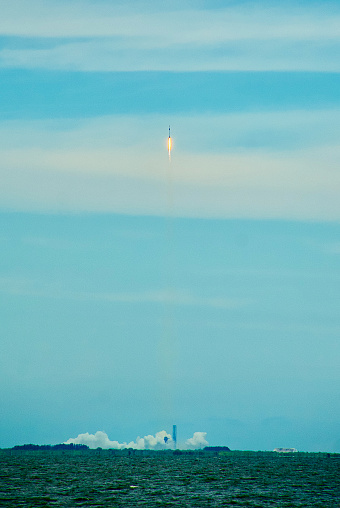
(285, 450)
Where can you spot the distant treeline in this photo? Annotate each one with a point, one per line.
(216, 449)
(127, 452)
(61, 446)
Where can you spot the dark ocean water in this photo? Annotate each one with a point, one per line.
(162, 479)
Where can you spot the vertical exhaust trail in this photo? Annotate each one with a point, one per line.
(167, 341)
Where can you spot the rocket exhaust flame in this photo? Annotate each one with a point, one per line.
(169, 144)
(169, 147)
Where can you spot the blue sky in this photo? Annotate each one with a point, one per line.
(137, 294)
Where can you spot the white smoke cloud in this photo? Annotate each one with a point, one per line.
(101, 439)
(197, 441)
(161, 441)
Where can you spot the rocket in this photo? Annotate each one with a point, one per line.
(169, 132)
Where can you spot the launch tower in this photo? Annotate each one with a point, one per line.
(174, 435)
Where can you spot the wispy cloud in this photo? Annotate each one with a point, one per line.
(332, 248)
(25, 287)
(113, 56)
(312, 329)
(255, 20)
(79, 170)
(116, 38)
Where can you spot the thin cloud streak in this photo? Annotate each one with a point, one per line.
(107, 38)
(79, 171)
(24, 287)
(249, 55)
(187, 26)
(94, 56)
(238, 186)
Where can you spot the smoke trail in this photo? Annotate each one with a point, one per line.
(167, 346)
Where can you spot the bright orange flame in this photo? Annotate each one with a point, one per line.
(169, 146)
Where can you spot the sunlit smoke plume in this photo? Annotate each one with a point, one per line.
(196, 441)
(161, 441)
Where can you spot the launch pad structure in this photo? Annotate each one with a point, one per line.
(174, 436)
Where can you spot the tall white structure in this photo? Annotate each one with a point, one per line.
(174, 435)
